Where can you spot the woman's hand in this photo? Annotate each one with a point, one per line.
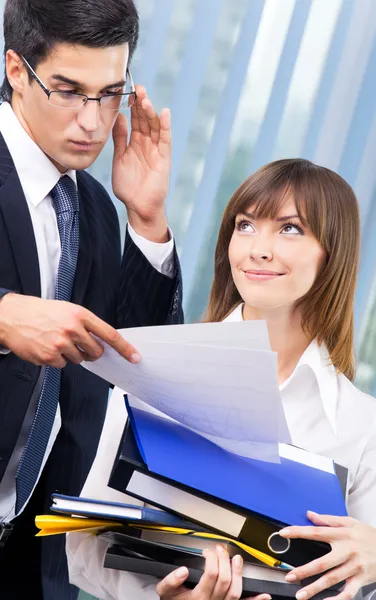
(222, 580)
(352, 558)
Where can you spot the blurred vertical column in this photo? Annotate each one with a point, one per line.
(263, 150)
(190, 80)
(217, 149)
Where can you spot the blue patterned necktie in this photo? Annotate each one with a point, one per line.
(65, 198)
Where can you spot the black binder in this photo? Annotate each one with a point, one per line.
(127, 560)
(257, 531)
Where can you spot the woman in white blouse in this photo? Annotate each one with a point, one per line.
(287, 253)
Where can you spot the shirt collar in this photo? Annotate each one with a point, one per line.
(37, 174)
(316, 357)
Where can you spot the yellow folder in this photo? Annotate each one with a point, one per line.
(57, 524)
(261, 556)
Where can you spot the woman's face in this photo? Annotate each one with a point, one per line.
(274, 262)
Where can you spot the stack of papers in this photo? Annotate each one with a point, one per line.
(218, 379)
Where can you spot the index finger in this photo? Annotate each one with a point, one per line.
(112, 337)
(322, 534)
(206, 585)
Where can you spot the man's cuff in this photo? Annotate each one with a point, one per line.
(3, 292)
(160, 256)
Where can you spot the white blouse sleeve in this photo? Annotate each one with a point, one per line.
(362, 495)
(85, 552)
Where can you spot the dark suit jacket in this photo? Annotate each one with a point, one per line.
(125, 292)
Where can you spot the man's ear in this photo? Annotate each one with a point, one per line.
(16, 71)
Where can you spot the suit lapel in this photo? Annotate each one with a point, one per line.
(15, 211)
(85, 253)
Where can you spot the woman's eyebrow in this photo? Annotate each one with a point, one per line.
(286, 218)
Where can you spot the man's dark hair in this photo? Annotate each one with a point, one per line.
(33, 27)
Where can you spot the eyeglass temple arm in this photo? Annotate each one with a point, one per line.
(129, 74)
(35, 76)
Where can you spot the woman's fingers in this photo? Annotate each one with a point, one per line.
(171, 583)
(205, 587)
(352, 587)
(259, 597)
(330, 520)
(342, 573)
(320, 534)
(224, 574)
(320, 565)
(235, 590)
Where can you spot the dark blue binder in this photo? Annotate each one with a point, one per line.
(280, 491)
(116, 511)
(167, 454)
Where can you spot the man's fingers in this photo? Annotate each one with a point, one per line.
(142, 121)
(170, 584)
(135, 125)
(326, 581)
(153, 120)
(112, 337)
(58, 362)
(74, 355)
(165, 136)
(88, 345)
(120, 136)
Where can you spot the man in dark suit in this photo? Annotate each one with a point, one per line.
(64, 285)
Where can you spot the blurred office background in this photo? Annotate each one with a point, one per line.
(250, 81)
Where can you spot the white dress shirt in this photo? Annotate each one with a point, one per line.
(38, 176)
(325, 413)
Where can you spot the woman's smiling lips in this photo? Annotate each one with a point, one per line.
(262, 275)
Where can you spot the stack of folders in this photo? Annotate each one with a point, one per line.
(207, 441)
(239, 501)
(155, 542)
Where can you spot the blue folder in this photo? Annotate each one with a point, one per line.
(281, 491)
(116, 511)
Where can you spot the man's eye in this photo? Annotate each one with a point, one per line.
(120, 91)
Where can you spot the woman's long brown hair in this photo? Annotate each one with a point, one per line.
(327, 205)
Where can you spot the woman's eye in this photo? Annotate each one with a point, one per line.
(244, 226)
(292, 229)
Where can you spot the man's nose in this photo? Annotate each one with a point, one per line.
(89, 117)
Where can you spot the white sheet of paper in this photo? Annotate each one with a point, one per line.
(228, 394)
(246, 334)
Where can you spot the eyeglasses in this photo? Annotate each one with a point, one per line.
(73, 101)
